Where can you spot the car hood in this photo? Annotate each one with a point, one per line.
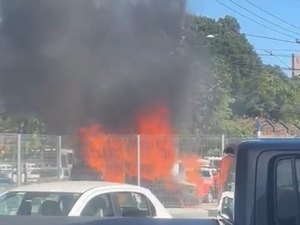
(45, 220)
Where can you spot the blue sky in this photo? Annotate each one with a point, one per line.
(284, 9)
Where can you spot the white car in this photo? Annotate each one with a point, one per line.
(226, 206)
(82, 198)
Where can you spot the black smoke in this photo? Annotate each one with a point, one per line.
(70, 62)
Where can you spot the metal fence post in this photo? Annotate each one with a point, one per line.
(58, 147)
(19, 163)
(138, 160)
(222, 143)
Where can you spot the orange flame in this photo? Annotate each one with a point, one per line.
(102, 153)
(157, 147)
(192, 164)
(116, 157)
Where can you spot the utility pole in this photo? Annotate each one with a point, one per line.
(295, 61)
(295, 65)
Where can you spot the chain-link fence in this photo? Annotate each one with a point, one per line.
(180, 170)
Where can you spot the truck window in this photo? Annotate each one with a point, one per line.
(286, 193)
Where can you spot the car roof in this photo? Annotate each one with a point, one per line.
(262, 144)
(72, 186)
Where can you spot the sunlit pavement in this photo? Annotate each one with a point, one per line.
(203, 211)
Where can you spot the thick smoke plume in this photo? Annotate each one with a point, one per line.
(71, 62)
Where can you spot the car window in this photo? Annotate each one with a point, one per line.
(286, 193)
(37, 203)
(134, 204)
(10, 202)
(99, 206)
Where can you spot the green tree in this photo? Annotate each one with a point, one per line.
(240, 85)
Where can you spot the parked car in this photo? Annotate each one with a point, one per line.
(226, 206)
(82, 198)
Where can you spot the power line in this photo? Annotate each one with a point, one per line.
(270, 14)
(242, 66)
(262, 66)
(262, 18)
(286, 56)
(271, 38)
(278, 57)
(279, 50)
(244, 53)
(253, 20)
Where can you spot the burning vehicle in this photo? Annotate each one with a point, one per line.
(193, 170)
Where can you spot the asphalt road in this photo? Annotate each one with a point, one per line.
(204, 211)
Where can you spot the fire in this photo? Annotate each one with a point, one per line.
(116, 157)
(192, 164)
(157, 147)
(103, 154)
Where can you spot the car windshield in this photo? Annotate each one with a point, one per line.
(37, 203)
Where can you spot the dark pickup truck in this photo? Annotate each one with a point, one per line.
(260, 185)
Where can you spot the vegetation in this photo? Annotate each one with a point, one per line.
(245, 87)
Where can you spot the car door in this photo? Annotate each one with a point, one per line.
(132, 204)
